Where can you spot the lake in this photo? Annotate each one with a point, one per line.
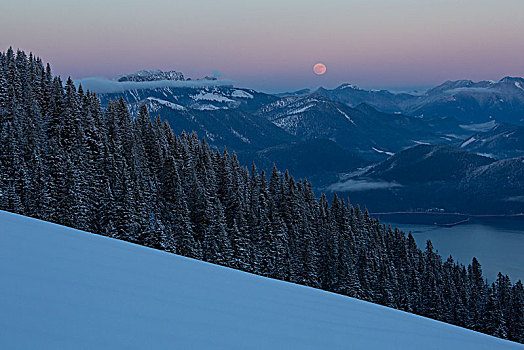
(497, 242)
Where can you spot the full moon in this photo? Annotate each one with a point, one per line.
(319, 68)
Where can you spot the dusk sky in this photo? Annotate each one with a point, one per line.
(273, 44)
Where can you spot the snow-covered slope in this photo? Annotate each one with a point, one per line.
(66, 289)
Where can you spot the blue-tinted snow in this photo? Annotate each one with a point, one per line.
(66, 289)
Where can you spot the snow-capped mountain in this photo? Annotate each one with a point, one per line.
(202, 98)
(151, 75)
(158, 89)
(363, 129)
(503, 141)
(472, 102)
(65, 288)
(465, 100)
(219, 113)
(285, 130)
(383, 100)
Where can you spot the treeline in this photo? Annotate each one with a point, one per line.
(63, 159)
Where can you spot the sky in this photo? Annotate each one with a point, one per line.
(272, 45)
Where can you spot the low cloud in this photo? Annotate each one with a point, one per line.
(515, 199)
(103, 85)
(216, 74)
(361, 185)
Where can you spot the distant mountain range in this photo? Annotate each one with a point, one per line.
(151, 75)
(156, 75)
(465, 100)
(221, 114)
(327, 135)
(363, 129)
(210, 111)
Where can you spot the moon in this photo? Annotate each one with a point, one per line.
(319, 68)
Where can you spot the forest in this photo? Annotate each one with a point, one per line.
(66, 160)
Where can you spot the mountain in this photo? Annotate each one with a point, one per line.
(294, 93)
(222, 114)
(245, 120)
(503, 141)
(383, 100)
(438, 177)
(321, 139)
(364, 130)
(426, 163)
(64, 288)
(200, 98)
(475, 102)
(313, 159)
(500, 183)
(151, 75)
(467, 101)
(232, 128)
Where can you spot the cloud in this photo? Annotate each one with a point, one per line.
(104, 85)
(361, 185)
(216, 74)
(515, 199)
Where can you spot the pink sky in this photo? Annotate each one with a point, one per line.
(272, 45)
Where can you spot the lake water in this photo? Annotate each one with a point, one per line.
(498, 243)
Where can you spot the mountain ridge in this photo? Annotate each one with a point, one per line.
(426, 177)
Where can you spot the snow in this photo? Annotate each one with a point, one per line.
(288, 123)
(348, 86)
(206, 107)
(241, 94)
(346, 116)
(470, 89)
(67, 289)
(480, 127)
(168, 104)
(300, 110)
(352, 185)
(381, 151)
(150, 75)
(210, 96)
(489, 155)
(240, 136)
(467, 142)
(210, 136)
(420, 142)
(517, 84)
(134, 93)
